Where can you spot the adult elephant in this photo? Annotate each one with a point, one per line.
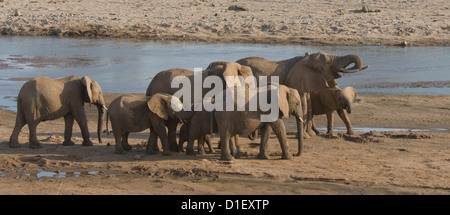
(307, 73)
(42, 98)
(232, 122)
(162, 83)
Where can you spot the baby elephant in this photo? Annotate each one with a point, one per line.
(330, 100)
(135, 113)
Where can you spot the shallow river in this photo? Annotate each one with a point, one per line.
(128, 66)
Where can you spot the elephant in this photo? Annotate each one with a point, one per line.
(205, 125)
(235, 122)
(162, 83)
(307, 73)
(330, 100)
(201, 138)
(43, 98)
(135, 113)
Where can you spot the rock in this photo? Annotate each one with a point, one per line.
(42, 162)
(17, 13)
(283, 28)
(365, 9)
(237, 8)
(403, 44)
(341, 12)
(137, 157)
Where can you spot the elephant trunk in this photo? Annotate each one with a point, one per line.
(348, 95)
(300, 135)
(184, 115)
(101, 111)
(349, 59)
(348, 106)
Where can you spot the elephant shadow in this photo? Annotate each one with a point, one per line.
(53, 150)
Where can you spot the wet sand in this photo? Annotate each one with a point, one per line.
(419, 23)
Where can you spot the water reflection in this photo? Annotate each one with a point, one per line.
(128, 66)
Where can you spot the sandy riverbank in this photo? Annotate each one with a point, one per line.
(420, 23)
(365, 163)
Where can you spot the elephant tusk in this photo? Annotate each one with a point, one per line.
(103, 106)
(300, 119)
(343, 70)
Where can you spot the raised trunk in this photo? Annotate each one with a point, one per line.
(345, 61)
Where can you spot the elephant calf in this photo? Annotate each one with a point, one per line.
(330, 100)
(135, 113)
(201, 138)
(200, 127)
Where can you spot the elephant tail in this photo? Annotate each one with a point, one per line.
(107, 116)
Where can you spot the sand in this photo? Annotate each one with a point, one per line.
(418, 22)
(369, 162)
(400, 162)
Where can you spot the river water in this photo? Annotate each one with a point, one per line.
(129, 66)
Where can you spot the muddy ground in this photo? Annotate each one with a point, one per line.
(369, 162)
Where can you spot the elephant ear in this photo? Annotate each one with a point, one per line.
(245, 71)
(164, 104)
(283, 100)
(231, 74)
(157, 104)
(86, 81)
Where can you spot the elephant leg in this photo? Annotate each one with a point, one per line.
(190, 146)
(346, 120)
(118, 137)
(265, 134)
(309, 130)
(160, 130)
(80, 117)
(125, 145)
(152, 145)
(14, 139)
(201, 145)
(208, 141)
(239, 152)
(330, 118)
(313, 126)
(180, 144)
(225, 147)
(280, 130)
(68, 120)
(34, 142)
(172, 134)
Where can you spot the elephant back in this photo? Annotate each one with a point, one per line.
(161, 83)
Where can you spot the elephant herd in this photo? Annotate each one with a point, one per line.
(304, 86)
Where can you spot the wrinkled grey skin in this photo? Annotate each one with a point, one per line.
(42, 98)
(231, 123)
(330, 100)
(161, 83)
(307, 74)
(135, 113)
